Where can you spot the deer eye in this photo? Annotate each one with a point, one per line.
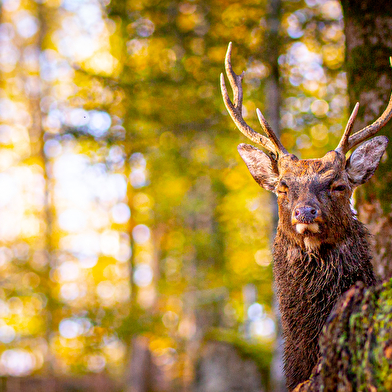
(338, 188)
(283, 188)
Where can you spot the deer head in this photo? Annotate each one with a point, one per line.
(313, 194)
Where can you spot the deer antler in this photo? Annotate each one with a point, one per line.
(348, 142)
(271, 143)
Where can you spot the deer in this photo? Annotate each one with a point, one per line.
(321, 249)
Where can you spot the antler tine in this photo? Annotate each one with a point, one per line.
(343, 144)
(234, 108)
(270, 133)
(371, 129)
(364, 133)
(235, 80)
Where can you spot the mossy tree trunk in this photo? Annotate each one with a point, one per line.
(368, 29)
(356, 344)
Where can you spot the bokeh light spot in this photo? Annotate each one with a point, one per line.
(143, 275)
(105, 289)
(263, 328)
(7, 334)
(70, 329)
(319, 107)
(255, 311)
(121, 213)
(141, 234)
(69, 291)
(18, 362)
(99, 123)
(96, 363)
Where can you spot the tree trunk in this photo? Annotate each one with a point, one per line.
(356, 345)
(368, 29)
(221, 368)
(273, 106)
(141, 367)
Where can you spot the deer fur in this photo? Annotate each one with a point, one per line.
(315, 259)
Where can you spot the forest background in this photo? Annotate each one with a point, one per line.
(124, 208)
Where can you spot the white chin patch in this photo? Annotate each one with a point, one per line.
(311, 244)
(302, 227)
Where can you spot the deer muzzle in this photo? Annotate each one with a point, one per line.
(306, 218)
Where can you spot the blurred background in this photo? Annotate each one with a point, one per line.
(131, 235)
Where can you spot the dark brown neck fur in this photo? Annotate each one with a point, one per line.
(308, 286)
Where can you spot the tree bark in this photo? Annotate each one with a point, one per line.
(368, 30)
(356, 345)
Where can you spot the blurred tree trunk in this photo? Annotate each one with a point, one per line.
(368, 29)
(143, 374)
(356, 346)
(37, 89)
(273, 105)
(221, 368)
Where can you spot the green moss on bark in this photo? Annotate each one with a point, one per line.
(356, 344)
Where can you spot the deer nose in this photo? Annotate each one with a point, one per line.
(305, 214)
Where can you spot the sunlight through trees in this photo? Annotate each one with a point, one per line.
(124, 209)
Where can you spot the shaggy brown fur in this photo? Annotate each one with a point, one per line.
(308, 286)
(321, 249)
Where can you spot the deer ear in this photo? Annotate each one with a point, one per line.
(260, 165)
(364, 161)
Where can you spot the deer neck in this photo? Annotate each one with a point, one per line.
(308, 285)
(353, 247)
